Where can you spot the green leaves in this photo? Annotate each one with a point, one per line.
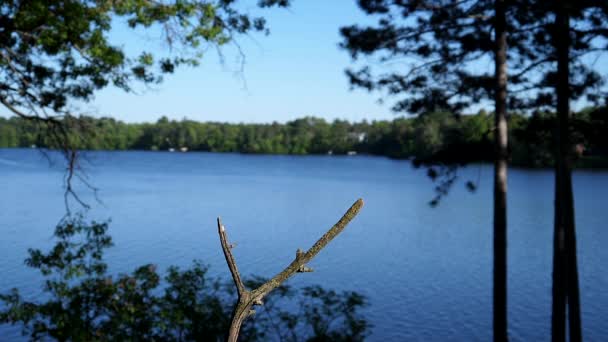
(439, 136)
(437, 45)
(84, 303)
(451, 43)
(55, 52)
(54, 55)
(78, 252)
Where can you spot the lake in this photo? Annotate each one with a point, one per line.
(426, 271)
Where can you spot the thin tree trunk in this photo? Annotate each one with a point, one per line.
(500, 177)
(558, 319)
(565, 269)
(558, 314)
(573, 296)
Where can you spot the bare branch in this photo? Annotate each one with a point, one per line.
(59, 134)
(226, 247)
(247, 299)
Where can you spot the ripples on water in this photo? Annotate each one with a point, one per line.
(427, 272)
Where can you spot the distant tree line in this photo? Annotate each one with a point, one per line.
(436, 135)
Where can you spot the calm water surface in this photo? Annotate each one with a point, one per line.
(427, 272)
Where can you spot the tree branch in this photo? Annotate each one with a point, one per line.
(247, 299)
(226, 247)
(56, 128)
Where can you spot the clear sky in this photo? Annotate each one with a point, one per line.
(297, 70)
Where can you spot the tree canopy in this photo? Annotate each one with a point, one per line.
(438, 54)
(432, 54)
(54, 52)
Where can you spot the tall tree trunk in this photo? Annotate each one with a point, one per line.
(500, 176)
(565, 269)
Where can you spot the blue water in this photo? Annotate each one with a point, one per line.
(427, 272)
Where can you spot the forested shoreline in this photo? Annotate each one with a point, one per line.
(438, 136)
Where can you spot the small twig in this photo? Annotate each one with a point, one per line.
(247, 299)
(226, 247)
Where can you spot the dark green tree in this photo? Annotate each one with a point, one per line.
(580, 28)
(440, 46)
(558, 47)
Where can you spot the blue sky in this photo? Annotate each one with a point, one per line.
(297, 70)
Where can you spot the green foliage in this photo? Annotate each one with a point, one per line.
(436, 55)
(444, 51)
(55, 52)
(54, 55)
(435, 137)
(84, 303)
(435, 41)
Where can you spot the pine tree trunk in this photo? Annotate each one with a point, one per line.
(565, 269)
(500, 176)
